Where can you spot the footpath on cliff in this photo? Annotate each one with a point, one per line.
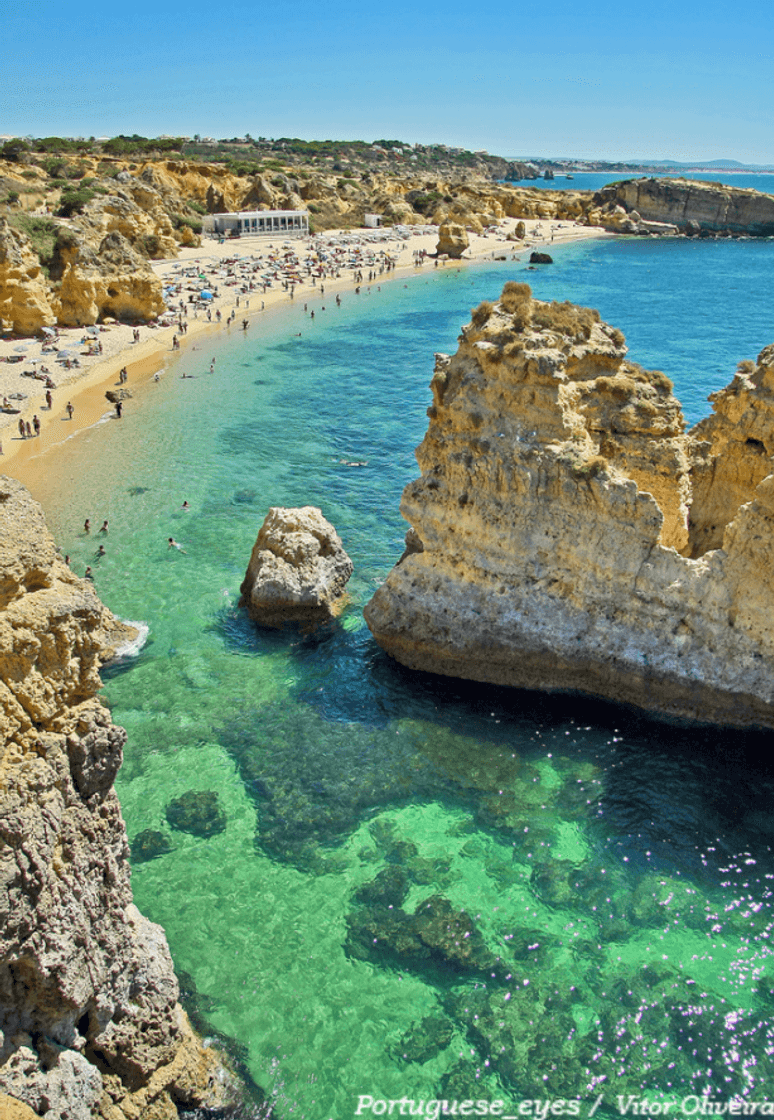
(220, 269)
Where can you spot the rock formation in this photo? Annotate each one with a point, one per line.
(111, 280)
(90, 1022)
(569, 534)
(298, 569)
(24, 296)
(452, 240)
(654, 205)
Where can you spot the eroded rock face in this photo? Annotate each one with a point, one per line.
(571, 529)
(298, 569)
(684, 204)
(452, 240)
(109, 280)
(89, 1013)
(24, 295)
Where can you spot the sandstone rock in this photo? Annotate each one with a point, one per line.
(452, 240)
(24, 295)
(570, 525)
(110, 281)
(88, 995)
(692, 206)
(298, 569)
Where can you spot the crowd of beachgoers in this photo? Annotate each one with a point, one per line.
(222, 285)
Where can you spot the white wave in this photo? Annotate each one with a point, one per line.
(133, 647)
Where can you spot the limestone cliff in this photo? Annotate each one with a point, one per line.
(567, 533)
(24, 293)
(90, 1022)
(689, 205)
(109, 280)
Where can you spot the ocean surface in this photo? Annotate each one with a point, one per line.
(390, 885)
(595, 180)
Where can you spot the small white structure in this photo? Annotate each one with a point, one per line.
(258, 223)
(373, 221)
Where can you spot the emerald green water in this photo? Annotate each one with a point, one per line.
(607, 879)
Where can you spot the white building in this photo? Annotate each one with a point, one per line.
(258, 223)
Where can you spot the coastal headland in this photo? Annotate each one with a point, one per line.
(568, 533)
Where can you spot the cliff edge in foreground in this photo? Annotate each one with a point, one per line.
(568, 533)
(90, 1023)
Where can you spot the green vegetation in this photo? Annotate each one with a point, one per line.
(42, 233)
(142, 145)
(14, 150)
(180, 220)
(73, 200)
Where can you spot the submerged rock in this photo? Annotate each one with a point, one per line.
(149, 844)
(436, 938)
(575, 536)
(197, 812)
(298, 569)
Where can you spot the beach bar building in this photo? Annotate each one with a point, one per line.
(258, 223)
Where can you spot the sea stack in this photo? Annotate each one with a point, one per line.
(90, 1022)
(569, 534)
(298, 569)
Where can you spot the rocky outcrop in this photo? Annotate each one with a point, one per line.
(452, 240)
(90, 1022)
(112, 280)
(570, 534)
(298, 569)
(687, 205)
(24, 296)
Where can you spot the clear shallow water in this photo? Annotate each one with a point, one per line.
(423, 888)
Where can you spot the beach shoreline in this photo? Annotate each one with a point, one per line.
(85, 386)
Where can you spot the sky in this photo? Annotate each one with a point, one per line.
(688, 81)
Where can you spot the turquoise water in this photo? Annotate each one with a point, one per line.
(416, 887)
(595, 180)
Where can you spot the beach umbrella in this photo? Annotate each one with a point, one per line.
(49, 331)
(20, 349)
(205, 295)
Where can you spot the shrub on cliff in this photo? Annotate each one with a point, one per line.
(42, 233)
(481, 314)
(565, 318)
(73, 201)
(516, 299)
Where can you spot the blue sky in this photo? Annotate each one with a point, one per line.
(684, 81)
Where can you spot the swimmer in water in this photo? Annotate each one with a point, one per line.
(173, 544)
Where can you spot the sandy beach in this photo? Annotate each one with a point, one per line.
(245, 279)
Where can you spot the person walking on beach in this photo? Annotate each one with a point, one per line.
(69, 410)
(36, 424)
(49, 399)
(119, 409)
(22, 429)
